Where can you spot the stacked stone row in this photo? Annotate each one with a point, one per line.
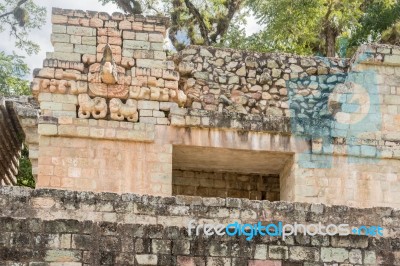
(251, 83)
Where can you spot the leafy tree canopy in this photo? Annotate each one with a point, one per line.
(323, 27)
(19, 18)
(12, 73)
(305, 26)
(202, 22)
(378, 22)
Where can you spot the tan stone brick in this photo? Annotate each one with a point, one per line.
(115, 41)
(74, 172)
(84, 22)
(139, 45)
(64, 56)
(67, 130)
(89, 40)
(392, 59)
(110, 133)
(67, 182)
(137, 26)
(60, 171)
(43, 96)
(47, 129)
(46, 72)
(128, 35)
(81, 31)
(59, 28)
(177, 120)
(148, 105)
(59, 37)
(148, 27)
(110, 24)
(65, 98)
(63, 47)
(97, 132)
(170, 84)
(96, 23)
(65, 120)
(55, 181)
(73, 21)
(156, 37)
(146, 259)
(46, 170)
(76, 39)
(149, 63)
(59, 19)
(125, 25)
(157, 46)
(160, 55)
(110, 32)
(85, 49)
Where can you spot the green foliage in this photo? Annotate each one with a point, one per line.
(392, 34)
(12, 73)
(19, 18)
(25, 177)
(379, 15)
(201, 22)
(304, 26)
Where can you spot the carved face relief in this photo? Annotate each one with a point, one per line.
(107, 79)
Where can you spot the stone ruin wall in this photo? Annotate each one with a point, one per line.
(113, 104)
(55, 227)
(18, 126)
(224, 184)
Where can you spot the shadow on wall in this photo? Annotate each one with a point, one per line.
(220, 172)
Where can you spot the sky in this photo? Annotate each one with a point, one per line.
(42, 36)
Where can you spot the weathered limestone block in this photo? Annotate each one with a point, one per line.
(89, 59)
(97, 89)
(127, 62)
(58, 86)
(96, 107)
(120, 111)
(139, 93)
(178, 96)
(117, 91)
(154, 93)
(164, 95)
(67, 74)
(79, 87)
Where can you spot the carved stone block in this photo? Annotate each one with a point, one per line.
(96, 107)
(139, 93)
(117, 91)
(120, 111)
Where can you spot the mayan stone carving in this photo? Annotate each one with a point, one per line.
(120, 111)
(96, 107)
(103, 57)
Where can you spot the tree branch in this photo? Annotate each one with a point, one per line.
(20, 3)
(223, 23)
(203, 28)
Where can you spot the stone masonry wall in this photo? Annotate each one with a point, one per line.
(109, 83)
(11, 136)
(224, 184)
(18, 125)
(54, 227)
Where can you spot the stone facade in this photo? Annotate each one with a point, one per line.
(18, 125)
(225, 184)
(118, 115)
(55, 227)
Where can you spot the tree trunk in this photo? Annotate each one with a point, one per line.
(330, 41)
